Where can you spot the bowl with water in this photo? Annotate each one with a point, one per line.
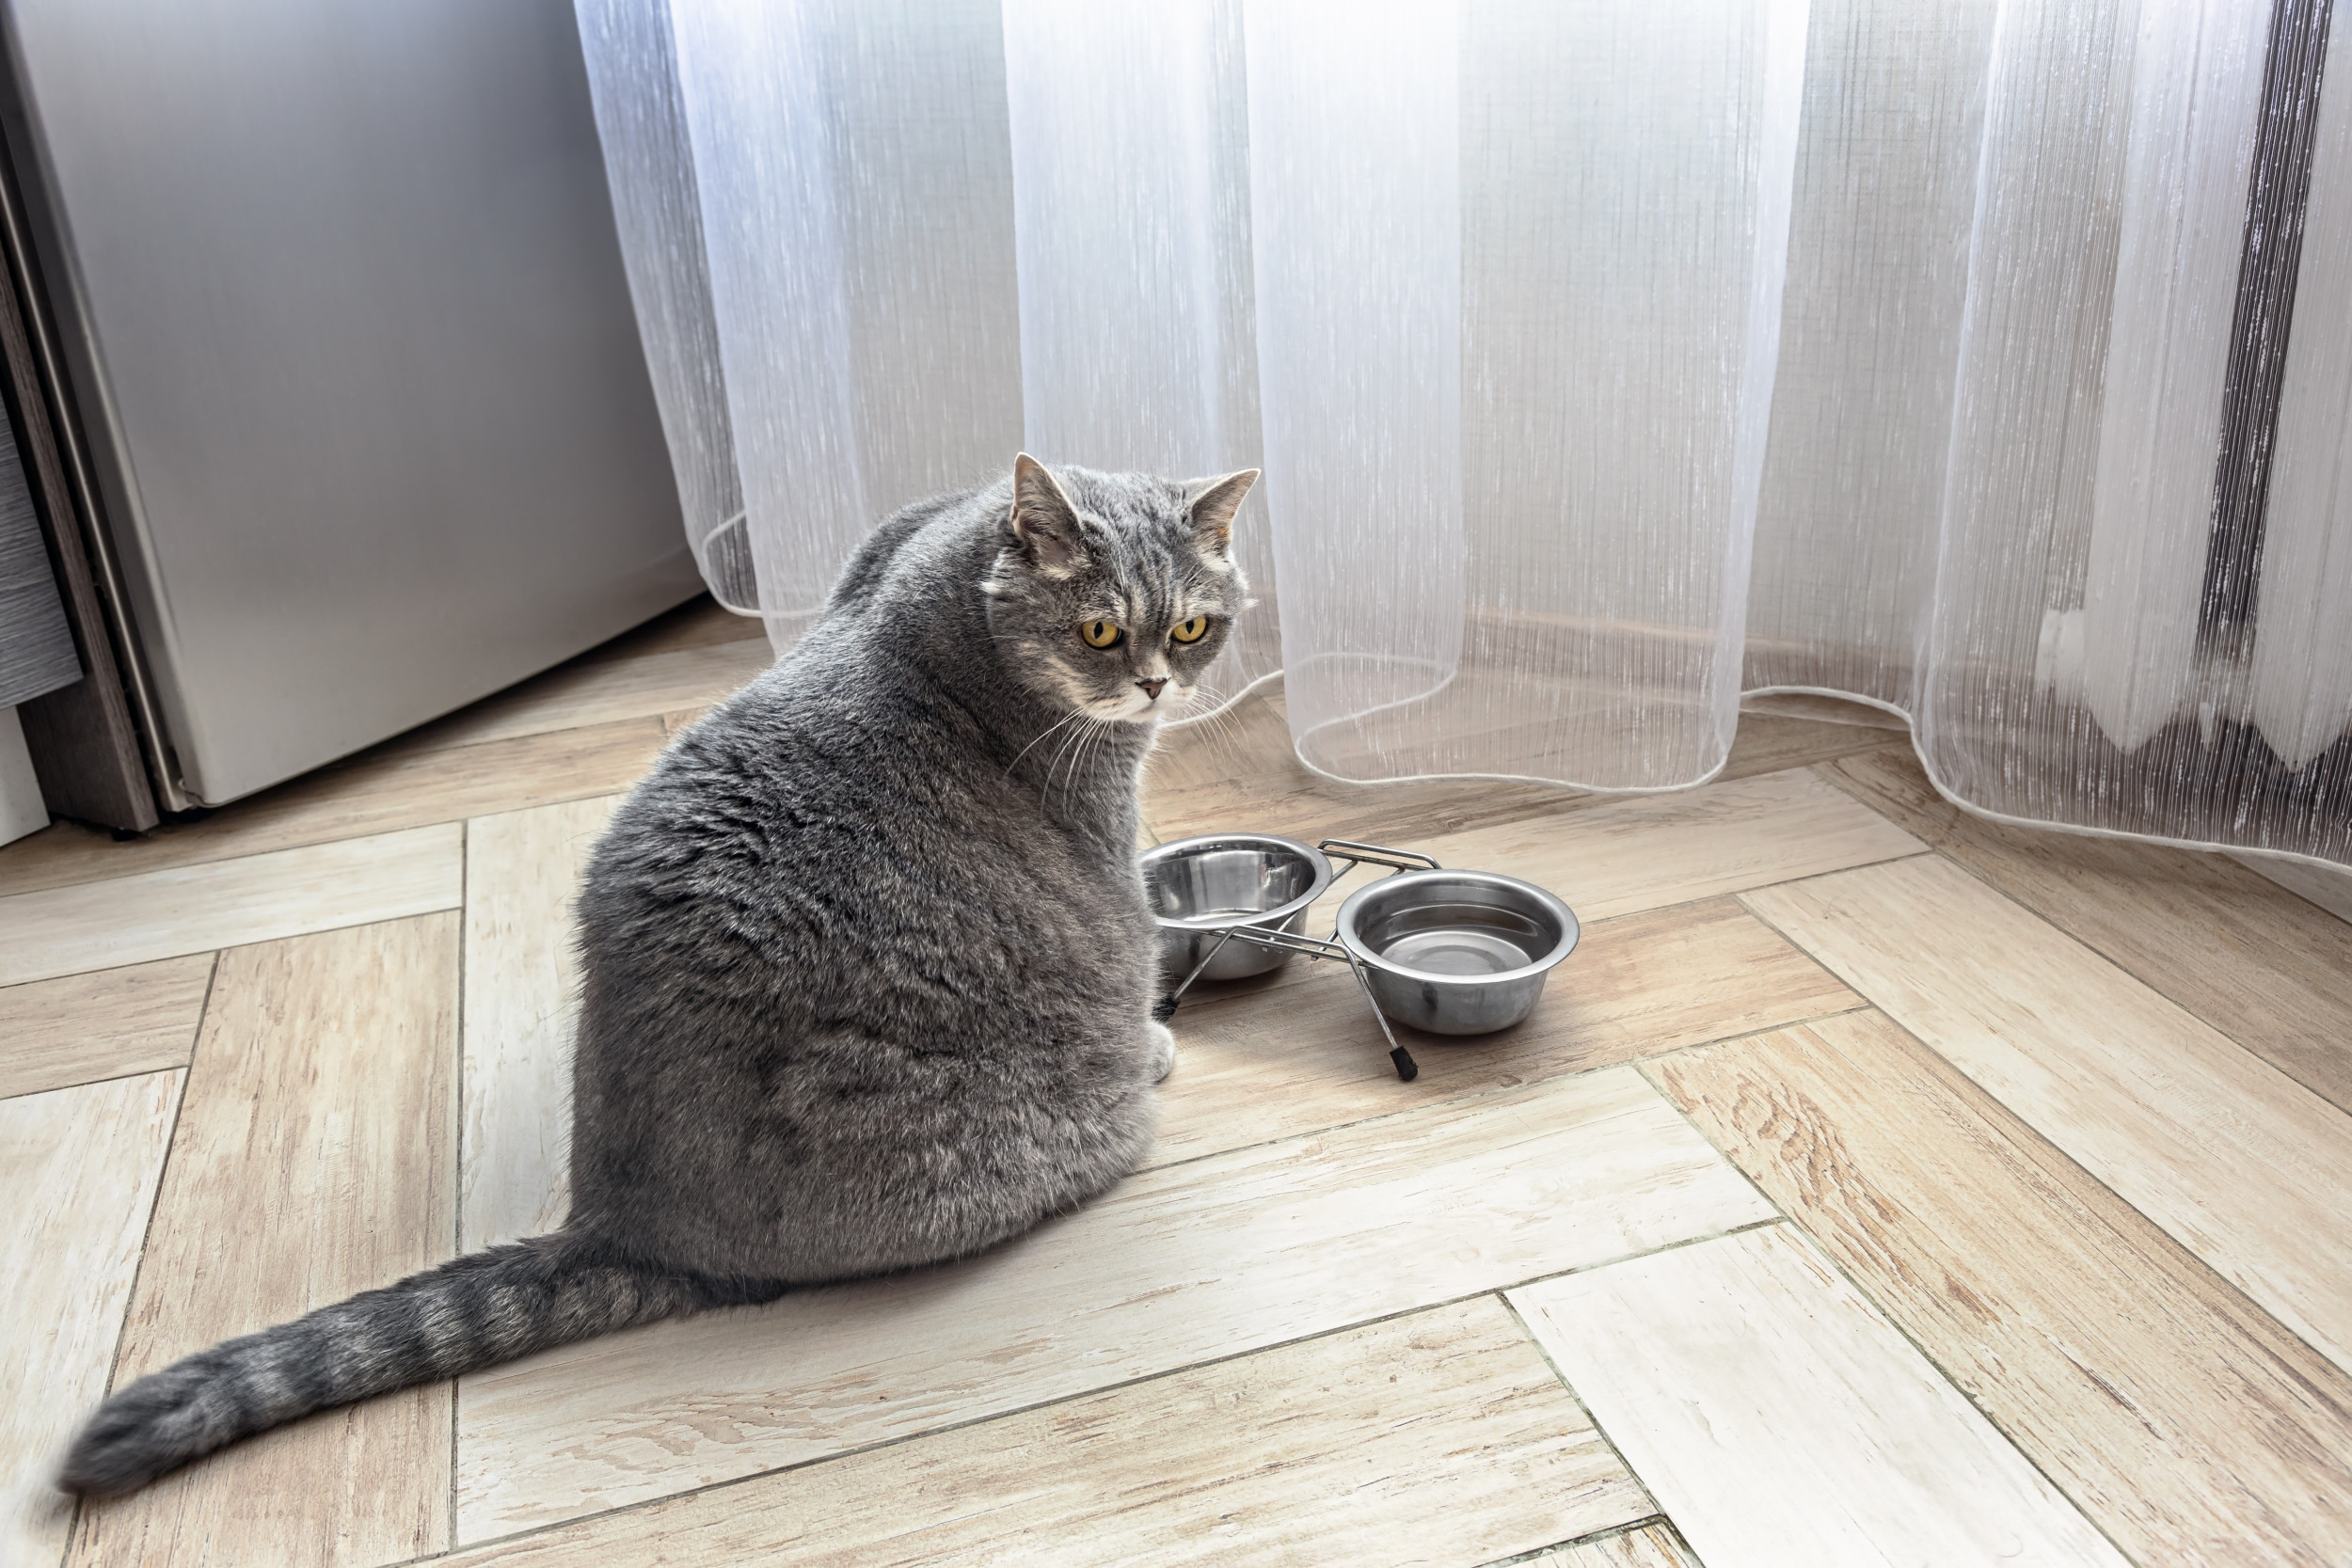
(1455, 952)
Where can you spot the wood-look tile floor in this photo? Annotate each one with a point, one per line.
(1875, 1185)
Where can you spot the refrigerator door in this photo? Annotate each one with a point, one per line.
(341, 300)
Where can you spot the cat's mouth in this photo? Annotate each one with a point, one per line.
(1137, 706)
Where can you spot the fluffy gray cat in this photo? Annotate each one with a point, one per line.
(867, 962)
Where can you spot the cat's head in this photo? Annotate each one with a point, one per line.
(1115, 592)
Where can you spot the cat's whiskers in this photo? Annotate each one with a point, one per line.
(1078, 758)
(1072, 745)
(1090, 752)
(1216, 724)
(1073, 715)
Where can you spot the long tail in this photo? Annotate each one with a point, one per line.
(482, 1309)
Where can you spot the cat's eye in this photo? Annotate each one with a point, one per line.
(1190, 631)
(1101, 634)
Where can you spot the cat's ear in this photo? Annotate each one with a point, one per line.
(1043, 524)
(1212, 503)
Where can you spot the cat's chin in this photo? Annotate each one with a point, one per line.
(1145, 718)
(1146, 715)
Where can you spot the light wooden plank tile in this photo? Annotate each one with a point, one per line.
(2249, 957)
(2244, 1167)
(1771, 743)
(1445, 1429)
(1295, 1057)
(522, 875)
(109, 1024)
(1646, 1547)
(2327, 888)
(79, 1169)
(1652, 850)
(163, 914)
(1779, 1419)
(1626, 855)
(1211, 1259)
(1823, 709)
(596, 691)
(2191, 1428)
(314, 1158)
(377, 792)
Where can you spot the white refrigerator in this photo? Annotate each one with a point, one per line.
(342, 354)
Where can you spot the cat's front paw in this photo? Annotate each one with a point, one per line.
(1163, 1051)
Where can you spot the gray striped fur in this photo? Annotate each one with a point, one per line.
(866, 964)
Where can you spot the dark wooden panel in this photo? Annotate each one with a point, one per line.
(85, 749)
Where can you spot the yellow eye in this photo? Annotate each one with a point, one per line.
(1101, 634)
(1192, 630)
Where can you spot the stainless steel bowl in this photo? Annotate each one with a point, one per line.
(1201, 888)
(1456, 952)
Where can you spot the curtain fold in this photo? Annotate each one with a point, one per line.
(1355, 191)
(1990, 361)
(1628, 180)
(2302, 660)
(1883, 202)
(649, 163)
(2085, 663)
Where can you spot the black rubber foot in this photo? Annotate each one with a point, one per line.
(1406, 1068)
(1163, 1009)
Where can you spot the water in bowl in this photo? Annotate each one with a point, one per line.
(1457, 952)
(1459, 939)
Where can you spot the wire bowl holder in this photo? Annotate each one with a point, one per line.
(1449, 952)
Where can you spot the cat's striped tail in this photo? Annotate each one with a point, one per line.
(482, 1309)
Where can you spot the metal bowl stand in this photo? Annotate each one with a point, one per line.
(1314, 948)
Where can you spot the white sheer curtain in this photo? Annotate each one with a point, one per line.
(1131, 210)
(1990, 361)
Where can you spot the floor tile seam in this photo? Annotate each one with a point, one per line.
(2132, 970)
(454, 907)
(1492, 1090)
(1918, 1348)
(80, 974)
(7, 1095)
(2081, 938)
(1649, 1492)
(495, 736)
(80, 1524)
(2061, 1169)
(2330, 1110)
(1116, 1387)
(1611, 1533)
(457, 1134)
(203, 859)
(256, 854)
(206, 863)
(399, 749)
(1733, 894)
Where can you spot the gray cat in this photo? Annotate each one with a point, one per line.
(867, 965)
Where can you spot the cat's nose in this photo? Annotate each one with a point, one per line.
(1152, 687)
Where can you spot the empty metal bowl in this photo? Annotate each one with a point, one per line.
(1456, 952)
(1201, 888)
